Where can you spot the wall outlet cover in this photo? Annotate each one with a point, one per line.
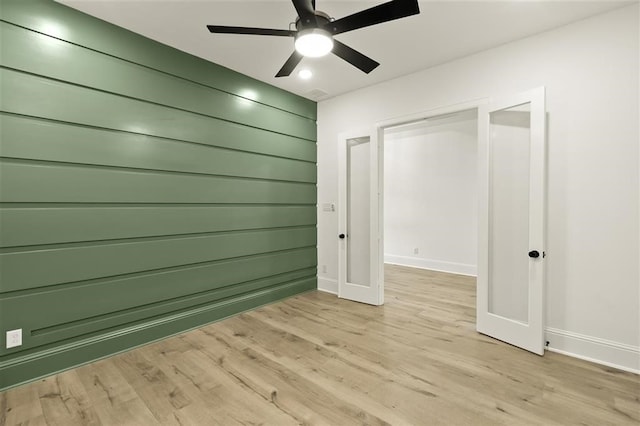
(14, 338)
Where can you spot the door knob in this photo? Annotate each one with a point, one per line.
(534, 254)
(341, 236)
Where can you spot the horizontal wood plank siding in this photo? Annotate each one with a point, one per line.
(103, 298)
(36, 96)
(43, 225)
(30, 268)
(27, 138)
(142, 190)
(37, 182)
(109, 74)
(48, 18)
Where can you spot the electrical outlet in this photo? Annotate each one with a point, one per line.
(14, 338)
(324, 269)
(416, 250)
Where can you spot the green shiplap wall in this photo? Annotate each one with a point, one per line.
(143, 192)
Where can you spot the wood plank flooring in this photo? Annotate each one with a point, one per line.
(316, 359)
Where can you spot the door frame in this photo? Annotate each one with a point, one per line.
(376, 133)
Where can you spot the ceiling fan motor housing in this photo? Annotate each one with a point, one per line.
(322, 19)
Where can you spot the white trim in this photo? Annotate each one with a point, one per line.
(432, 264)
(372, 294)
(594, 349)
(423, 115)
(328, 285)
(529, 335)
(377, 136)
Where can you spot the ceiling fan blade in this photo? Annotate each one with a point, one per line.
(355, 58)
(290, 65)
(384, 12)
(306, 11)
(220, 29)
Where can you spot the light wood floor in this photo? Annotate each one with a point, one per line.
(315, 359)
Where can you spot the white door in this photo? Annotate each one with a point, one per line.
(511, 253)
(360, 271)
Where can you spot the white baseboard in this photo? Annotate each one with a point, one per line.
(328, 285)
(434, 265)
(601, 351)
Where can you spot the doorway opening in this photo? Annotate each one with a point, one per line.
(430, 219)
(430, 192)
(510, 184)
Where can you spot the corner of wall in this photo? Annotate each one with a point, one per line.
(327, 285)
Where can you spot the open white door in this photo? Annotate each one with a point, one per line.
(511, 218)
(360, 269)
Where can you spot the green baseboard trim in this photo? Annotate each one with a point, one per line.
(37, 365)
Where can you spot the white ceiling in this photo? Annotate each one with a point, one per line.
(443, 31)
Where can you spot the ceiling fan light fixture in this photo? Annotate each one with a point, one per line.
(314, 31)
(313, 42)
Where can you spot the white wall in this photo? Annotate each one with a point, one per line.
(590, 69)
(430, 204)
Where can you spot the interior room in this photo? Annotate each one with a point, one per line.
(319, 212)
(430, 200)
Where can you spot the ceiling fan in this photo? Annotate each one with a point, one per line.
(315, 30)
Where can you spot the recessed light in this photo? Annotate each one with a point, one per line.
(305, 74)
